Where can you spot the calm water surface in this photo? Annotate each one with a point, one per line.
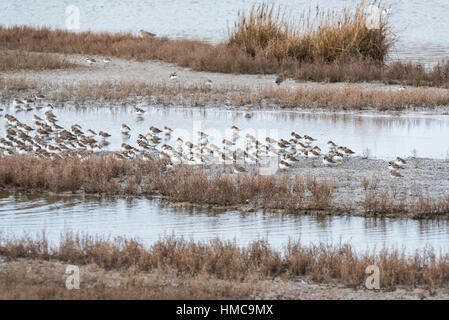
(385, 136)
(149, 221)
(421, 25)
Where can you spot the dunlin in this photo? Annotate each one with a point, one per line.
(239, 169)
(331, 145)
(139, 111)
(17, 102)
(280, 79)
(104, 135)
(328, 161)
(90, 133)
(39, 96)
(155, 130)
(90, 61)
(144, 33)
(173, 76)
(208, 83)
(394, 174)
(126, 147)
(283, 165)
(399, 161)
(125, 129)
(393, 166)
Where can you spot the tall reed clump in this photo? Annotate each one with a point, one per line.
(323, 35)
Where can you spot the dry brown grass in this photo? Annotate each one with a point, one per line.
(100, 175)
(43, 280)
(349, 98)
(194, 54)
(346, 98)
(389, 201)
(107, 175)
(233, 57)
(225, 260)
(359, 70)
(381, 202)
(17, 60)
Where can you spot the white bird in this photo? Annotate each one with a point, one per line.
(173, 76)
(125, 129)
(17, 102)
(90, 61)
(139, 111)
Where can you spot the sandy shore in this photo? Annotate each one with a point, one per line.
(37, 276)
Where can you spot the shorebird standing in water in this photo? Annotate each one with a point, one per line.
(331, 145)
(155, 130)
(17, 102)
(49, 107)
(104, 135)
(139, 111)
(107, 60)
(125, 129)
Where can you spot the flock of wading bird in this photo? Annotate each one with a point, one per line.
(46, 139)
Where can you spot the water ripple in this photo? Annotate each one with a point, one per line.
(148, 221)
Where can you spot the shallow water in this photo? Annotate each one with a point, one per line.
(421, 25)
(149, 221)
(385, 136)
